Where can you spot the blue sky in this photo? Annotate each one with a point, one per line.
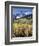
(21, 11)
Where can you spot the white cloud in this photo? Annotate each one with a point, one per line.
(19, 16)
(27, 13)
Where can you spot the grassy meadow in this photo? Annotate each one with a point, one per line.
(22, 27)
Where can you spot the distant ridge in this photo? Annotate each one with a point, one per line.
(26, 16)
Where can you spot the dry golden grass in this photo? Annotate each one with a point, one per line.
(22, 29)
